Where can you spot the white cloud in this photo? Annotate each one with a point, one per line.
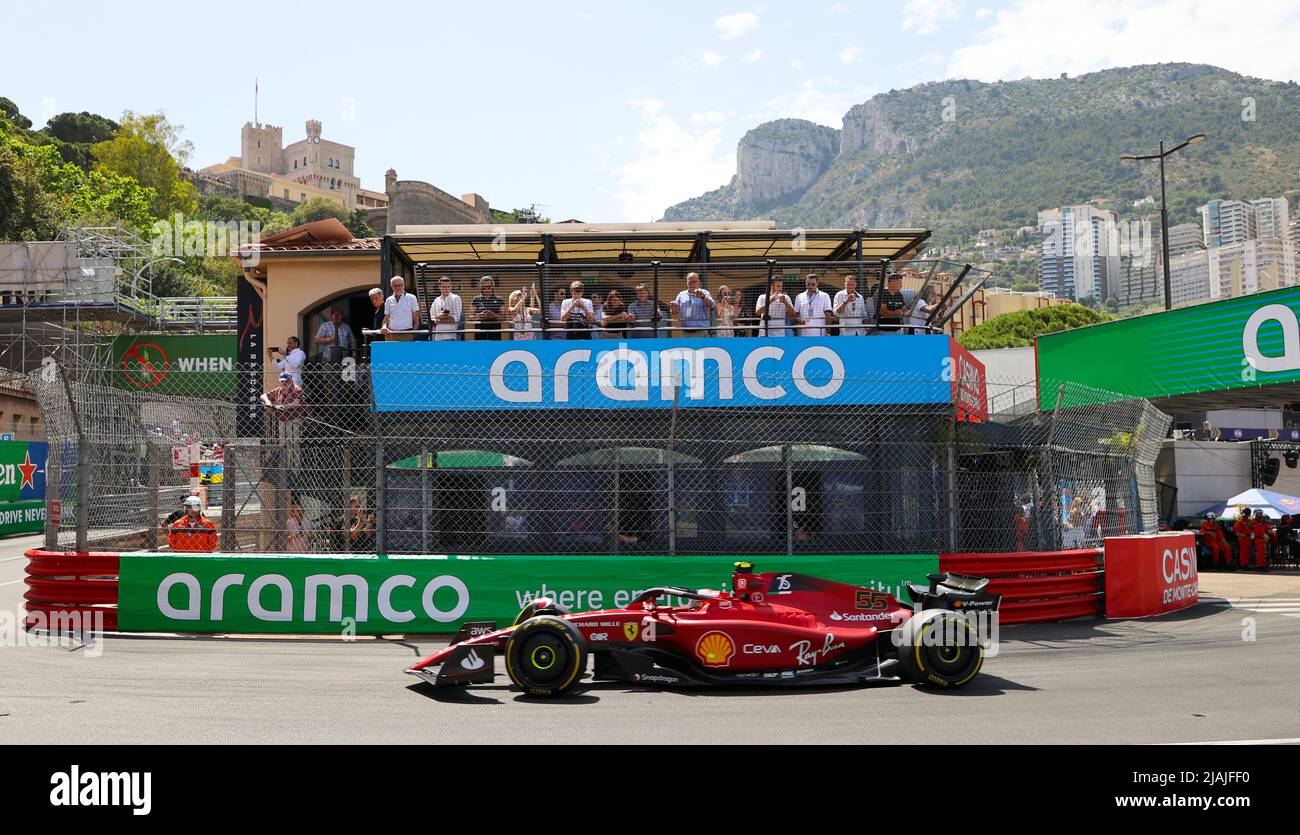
(670, 162)
(795, 64)
(732, 26)
(708, 58)
(925, 16)
(824, 101)
(712, 117)
(753, 57)
(1042, 38)
(711, 58)
(851, 55)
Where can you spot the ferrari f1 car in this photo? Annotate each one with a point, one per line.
(778, 629)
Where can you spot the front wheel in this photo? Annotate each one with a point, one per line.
(546, 656)
(940, 649)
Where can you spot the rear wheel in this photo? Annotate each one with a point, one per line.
(546, 656)
(939, 649)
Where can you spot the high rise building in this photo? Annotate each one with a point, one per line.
(1185, 238)
(1079, 252)
(1189, 276)
(1272, 217)
(1227, 222)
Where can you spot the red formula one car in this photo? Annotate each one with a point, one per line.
(781, 629)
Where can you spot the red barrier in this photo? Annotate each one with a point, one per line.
(1150, 575)
(65, 588)
(1038, 586)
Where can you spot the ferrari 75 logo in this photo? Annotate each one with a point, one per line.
(630, 631)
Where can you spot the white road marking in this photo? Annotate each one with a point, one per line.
(1295, 741)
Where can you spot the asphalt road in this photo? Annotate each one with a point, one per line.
(1184, 678)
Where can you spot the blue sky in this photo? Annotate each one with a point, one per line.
(601, 111)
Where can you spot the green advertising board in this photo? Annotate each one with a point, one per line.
(21, 517)
(324, 595)
(1237, 343)
(194, 365)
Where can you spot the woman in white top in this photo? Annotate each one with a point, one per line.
(726, 313)
(919, 318)
(522, 310)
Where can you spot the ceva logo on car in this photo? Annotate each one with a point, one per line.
(282, 607)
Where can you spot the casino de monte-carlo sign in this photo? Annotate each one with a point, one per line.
(653, 374)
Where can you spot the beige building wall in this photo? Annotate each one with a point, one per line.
(295, 286)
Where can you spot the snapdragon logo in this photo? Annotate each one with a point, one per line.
(627, 375)
(75, 787)
(273, 598)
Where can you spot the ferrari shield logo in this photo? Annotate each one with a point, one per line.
(631, 630)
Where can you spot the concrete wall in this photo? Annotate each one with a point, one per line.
(1205, 472)
(1012, 377)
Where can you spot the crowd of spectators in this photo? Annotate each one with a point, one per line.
(694, 311)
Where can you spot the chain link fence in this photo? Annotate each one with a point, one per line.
(335, 472)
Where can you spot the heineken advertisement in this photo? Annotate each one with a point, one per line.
(22, 470)
(1231, 344)
(326, 595)
(21, 517)
(175, 365)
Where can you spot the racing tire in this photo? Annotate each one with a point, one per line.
(546, 656)
(939, 649)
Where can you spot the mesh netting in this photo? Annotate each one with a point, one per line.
(1052, 467)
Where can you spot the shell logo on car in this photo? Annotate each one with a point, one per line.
(715, 649)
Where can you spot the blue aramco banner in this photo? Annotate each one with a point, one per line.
(701, 373)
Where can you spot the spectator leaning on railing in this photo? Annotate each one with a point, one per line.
(401, 313)
(445, 313)
(646, 312)
(812, 305)
(693, 307)
(850, 308)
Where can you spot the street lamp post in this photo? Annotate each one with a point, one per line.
(1164, 208)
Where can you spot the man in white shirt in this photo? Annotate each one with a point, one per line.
(445, 312)
(850, 308)
(772, 317)
(577, 313)
(812, 306)
(290, 362)
(401, 312)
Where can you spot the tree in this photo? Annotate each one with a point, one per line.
(1019, 329)
(149, 149)
(81, 128)
(320, 208)
(40, 193)
(10, 111)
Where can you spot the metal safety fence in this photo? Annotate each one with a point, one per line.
(330, 469)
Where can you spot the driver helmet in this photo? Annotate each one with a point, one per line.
(193, 501)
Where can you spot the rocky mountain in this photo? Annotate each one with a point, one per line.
(960, 156)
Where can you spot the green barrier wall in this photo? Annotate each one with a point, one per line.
(323, 595)
(21, 517)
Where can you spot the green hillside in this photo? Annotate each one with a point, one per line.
(1009, 149)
